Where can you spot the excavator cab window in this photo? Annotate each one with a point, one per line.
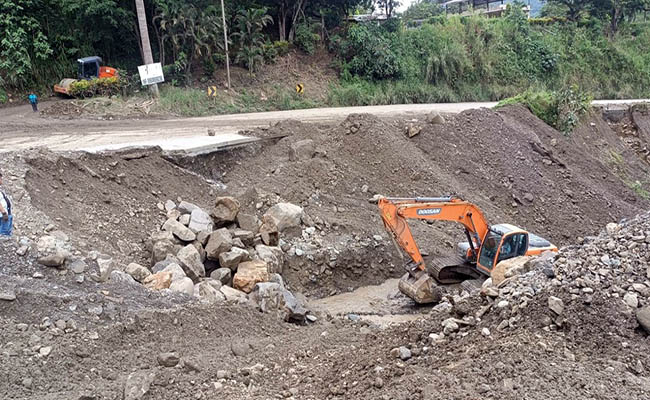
(88, 69)
(514, 245)
(489, 250)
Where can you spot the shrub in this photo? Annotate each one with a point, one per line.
(562, 109)
(370, 52)
(3, 96)
(102, 87)
(306, 39)
(281, 47)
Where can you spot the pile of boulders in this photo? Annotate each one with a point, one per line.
(218, 255)
(224, 254)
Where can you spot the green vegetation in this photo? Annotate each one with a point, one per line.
(97, 87)
(562, 110)
(549, 63)
(639, 189)
(194, 102)
(474, 58)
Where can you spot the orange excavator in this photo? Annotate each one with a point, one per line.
(87, 68)
(486, 245)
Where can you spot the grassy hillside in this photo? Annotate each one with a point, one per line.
(474, 58)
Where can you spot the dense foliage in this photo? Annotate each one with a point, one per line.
(423, 55)
(475, 58)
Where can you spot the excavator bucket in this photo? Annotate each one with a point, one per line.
(420, 287)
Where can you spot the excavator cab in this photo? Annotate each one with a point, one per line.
(499, 245)
(88, 67)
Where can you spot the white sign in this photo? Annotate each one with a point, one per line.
(151, 73)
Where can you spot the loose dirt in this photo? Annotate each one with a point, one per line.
(63, 340)
(512, 165)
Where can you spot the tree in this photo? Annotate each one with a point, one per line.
(144, 38)
(388, 6)
(617, 10)
(574, 8)
(22, 42)
(249, 26)
(422, 9)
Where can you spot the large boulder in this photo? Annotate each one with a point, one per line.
(293, 309)
(246, 237)
(176, 270)
(302, 150)
(137, 271)
(179, 230)
(219, 242)
(208, 292)
(186, 208)
(101, 268)
(248, 222)
(225, 210)
(643, 316)
(266, 296)
(249, 274)
(269, 231)
(157, 236)
(234, 295)
(200, 221)
(285, 215)
(183, 285)
(223, 275)
(190, 260)
(161, 249)
(271, 296)
(55, 260)
(158, 281)
(160, 265)
(231, 259)
(508, 268)
(273, 256)
(122, 277)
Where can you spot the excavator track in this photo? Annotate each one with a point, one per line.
(451, 269)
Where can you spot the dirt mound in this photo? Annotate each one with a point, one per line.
(101, 109)
(109, 202)
(515, 167)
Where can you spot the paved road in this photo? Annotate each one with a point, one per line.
(22, 129)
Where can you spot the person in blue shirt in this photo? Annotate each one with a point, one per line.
(33, 100)
(6, 217)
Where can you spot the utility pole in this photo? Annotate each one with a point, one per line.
(225, 41)
(144, 38)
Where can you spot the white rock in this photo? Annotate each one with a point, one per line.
(285, 215)
(631, 299)
(183, 285)
(200, 221)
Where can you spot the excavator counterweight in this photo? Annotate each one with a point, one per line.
(486, 245)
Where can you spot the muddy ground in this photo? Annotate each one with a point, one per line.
(55, 344)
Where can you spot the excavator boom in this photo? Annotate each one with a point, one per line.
(395, 212)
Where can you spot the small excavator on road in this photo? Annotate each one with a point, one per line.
(486, 245)
(87, 68)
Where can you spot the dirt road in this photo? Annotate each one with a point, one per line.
(22, 129)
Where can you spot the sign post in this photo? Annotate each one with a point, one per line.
(151, 74)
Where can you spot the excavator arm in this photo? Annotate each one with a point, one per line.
(395, 212)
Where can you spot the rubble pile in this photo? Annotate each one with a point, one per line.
(611, 271)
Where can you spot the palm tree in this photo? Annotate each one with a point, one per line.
(144, 37)
(250, 24)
